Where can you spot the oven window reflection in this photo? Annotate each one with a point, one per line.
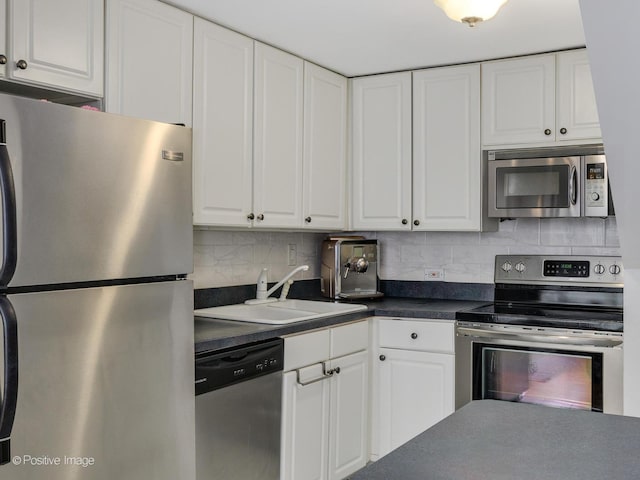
(543, 378)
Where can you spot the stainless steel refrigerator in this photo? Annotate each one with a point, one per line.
(97, 326)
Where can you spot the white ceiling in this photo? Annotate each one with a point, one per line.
(360, 37)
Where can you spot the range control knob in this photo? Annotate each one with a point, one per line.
(595, 196)
(614, 269)
(599, 269)
(520, 267)
(506, 266)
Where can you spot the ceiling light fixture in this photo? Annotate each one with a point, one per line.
(470, 11)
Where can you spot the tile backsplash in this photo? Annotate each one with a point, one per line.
(224, 258)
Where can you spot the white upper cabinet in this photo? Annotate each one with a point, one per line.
(222, 126)
(253, 107)
(541, 99)
(577, 110)
(518, 100)
(325, 136)
(446, 149)
(278, 132)
(381, 151)
(149, 67)
(4, 53)
(55, 45)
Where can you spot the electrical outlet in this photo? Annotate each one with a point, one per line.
(434, 274)
(292, 254)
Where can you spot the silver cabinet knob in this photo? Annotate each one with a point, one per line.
(3, 59)
(414, 335)
(251, 216)
(547, 132)
(260, 217)
(416, 222)
(563, 131)
(307, 219)
(405, 221)
(382, 358)
(22, 64)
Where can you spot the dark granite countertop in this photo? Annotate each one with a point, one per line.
(213, 334)
(497, 440)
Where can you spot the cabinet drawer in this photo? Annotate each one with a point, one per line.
(349, 339)
(306, 348)
(432, 335)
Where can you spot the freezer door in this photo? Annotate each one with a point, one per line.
(97, 196)
(105, 384)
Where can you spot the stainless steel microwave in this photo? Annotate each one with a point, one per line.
(548, 182)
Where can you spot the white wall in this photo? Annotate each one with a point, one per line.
(611, 31)
(224, 258)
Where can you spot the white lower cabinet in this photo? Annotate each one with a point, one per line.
(325, 404)
(413, 380)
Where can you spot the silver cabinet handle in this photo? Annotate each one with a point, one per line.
(307, 219)
(22, 64)
(414, 335)
(260, 217)
(563, 131)
(3, 59)
(547, 132)
(251, 216)
(325, 374)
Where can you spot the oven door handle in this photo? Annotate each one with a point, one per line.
(527, 337)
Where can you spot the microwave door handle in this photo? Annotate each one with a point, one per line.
(573, 185)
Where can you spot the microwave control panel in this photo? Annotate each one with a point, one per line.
(596, 186)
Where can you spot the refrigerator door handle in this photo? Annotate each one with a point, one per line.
(9, 395)
(9, 213)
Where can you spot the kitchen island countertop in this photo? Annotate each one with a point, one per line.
(214, 334)
(498, 440)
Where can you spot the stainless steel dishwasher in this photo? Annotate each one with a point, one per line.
(238, 411)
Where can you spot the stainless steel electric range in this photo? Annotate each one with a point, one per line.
(553, 335)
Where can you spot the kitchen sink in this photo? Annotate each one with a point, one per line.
(280, 312)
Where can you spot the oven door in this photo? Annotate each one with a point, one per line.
(536, 187)
(553, 367)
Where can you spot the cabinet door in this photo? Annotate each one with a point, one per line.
(305, 429)
(150, 49)
(277, 180)
(348, 440)
(3, 38)
(446, 149)
(222, 126)
(416, 390)
(577, 113)
(58, 44)
(381, 129)
(518, 100)
(325, 160)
